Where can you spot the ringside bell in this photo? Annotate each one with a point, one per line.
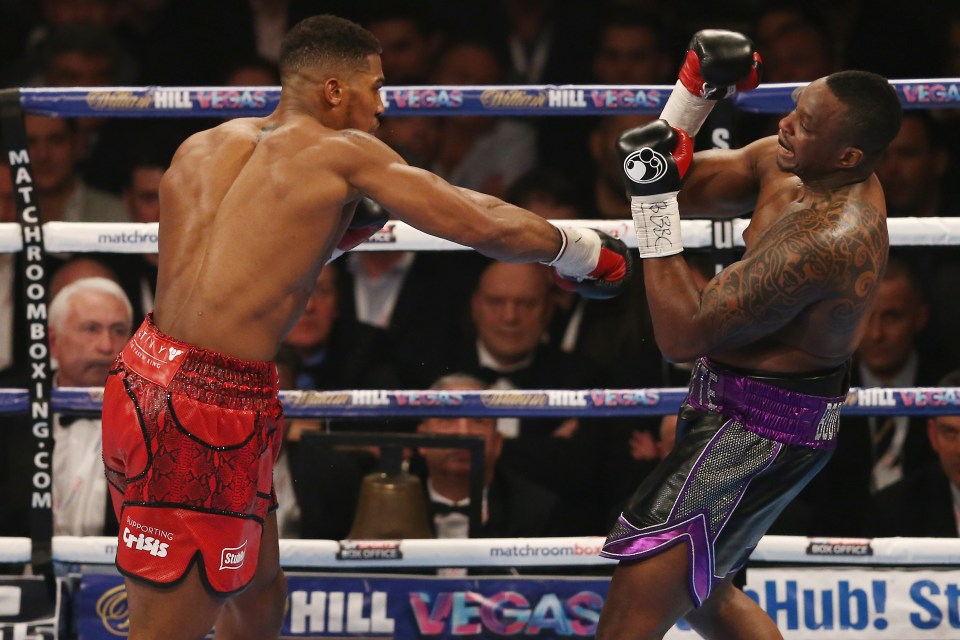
(391, 506)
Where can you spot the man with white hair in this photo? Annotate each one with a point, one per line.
(89, 321)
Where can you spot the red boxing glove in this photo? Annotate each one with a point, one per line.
(368, 219)
(612, 266)
(719, 63)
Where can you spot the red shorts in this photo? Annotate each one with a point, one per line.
(190, 438)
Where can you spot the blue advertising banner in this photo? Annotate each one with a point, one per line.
(337, 606)
(806, 603)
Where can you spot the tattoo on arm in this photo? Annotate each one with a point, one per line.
(831, 254)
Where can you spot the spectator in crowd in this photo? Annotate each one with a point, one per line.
(629, 48)
(796, 45)
(333, 350)
(543, 39)
(912, 171)
(88, 54)
(141, 198)
(925, 503)
(324, 351)
(632, 49)
(512, 506)
(89, 322)
(289, 511)
(81, 55)
(63, 193)
(609, 198)
(510, 308)
(76, 268)
(798, 50)
(416, 138)
(177, 43)
(253, 72)
(409, 39)
(876, 451)
(480, 152)
(12, 349)
(394, 291)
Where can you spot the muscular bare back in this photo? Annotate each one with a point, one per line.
(251, 210)
(798, 298)
(249, 214)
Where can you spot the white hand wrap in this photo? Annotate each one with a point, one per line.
(657, 221)
(579, 254)
(685, 110)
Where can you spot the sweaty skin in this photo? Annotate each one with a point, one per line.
(816, 248)
(252, 209)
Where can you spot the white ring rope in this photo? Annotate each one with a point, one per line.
(523, 552)
(134, 237)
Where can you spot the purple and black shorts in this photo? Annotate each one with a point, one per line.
(747, 443)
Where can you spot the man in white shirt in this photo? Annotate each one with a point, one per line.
(926, 502)
(89, 322)
(512, 506)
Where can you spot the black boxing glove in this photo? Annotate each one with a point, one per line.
(368, 218)
(718, 64)
(655, 158)
(592, 263)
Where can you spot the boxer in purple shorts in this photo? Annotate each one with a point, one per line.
(771, 335)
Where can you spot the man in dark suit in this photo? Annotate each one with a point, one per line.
(512, 506)
(327, 350)
(873, 452)
(926, 502)
(511, 309)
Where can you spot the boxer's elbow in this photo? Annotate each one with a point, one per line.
(676, 347)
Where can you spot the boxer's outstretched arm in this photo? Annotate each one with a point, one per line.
(431, 204)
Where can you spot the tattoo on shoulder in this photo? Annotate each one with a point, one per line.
(265, 129)
(832, 253)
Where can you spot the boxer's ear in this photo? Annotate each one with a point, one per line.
(333, 91)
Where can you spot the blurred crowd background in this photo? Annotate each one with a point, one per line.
(389, 320)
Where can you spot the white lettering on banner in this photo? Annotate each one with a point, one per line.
(567, 398)
(825, 602)
(370, 398)
(233, 557)
(720, 138)
(172, 99)
(876, 398)
(151, 531)
(41, 497)
(566, 98)
(145, 543)
(18, 157)
(324, 612)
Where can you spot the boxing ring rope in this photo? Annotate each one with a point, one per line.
(579, 551)
(498, 100)
(139, 237)
(515, 403)
(511, 100)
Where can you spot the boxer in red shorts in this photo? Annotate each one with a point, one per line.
(250, 211)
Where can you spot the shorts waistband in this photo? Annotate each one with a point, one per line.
(202, 374)
(788, 409)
